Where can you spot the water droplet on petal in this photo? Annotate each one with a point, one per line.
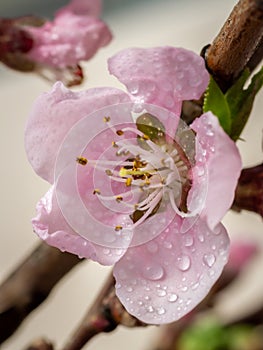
(106, 251)
(209, 259)
(169, 102)
(201, 238)
(161, 311)
(167, 245)
(188, 240)
(172, 298)
(133, 88)
(150, 309)
(161, 292)
(153, 272)
(183, 262)
(209, 132)
(200, 171)
(152, 247)
(195, 286)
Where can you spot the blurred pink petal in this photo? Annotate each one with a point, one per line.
(55, 49)
(241, 253)
(72, 37)
(161, 281)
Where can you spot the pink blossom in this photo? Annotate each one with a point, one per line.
(55, 48)
(147, 192)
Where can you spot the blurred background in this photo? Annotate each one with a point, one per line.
(191, 24)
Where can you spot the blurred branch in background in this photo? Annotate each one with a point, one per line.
(104, 316)
(249, 192)
(30, 284)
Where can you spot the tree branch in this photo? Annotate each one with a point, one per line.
(249, 191)
(40, 344)
(239, 39)
(30, 284)
(104, 316)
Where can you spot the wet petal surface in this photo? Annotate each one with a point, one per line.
(166, 278)
(51, 226)
(162, 75)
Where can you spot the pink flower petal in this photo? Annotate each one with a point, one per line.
(223, 164)
(53, 115)
(82, 8)
(241, 253)
(51, 226)
(67, 40)
(161, 281)
(163, 75)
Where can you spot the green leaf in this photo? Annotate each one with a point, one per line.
(216, 102)
(241, 101)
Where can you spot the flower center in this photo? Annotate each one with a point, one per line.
(156, 169)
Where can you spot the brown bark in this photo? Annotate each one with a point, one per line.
(249, 191)
(236, 43)
(104, 316)
(40, 344)
(30, 284)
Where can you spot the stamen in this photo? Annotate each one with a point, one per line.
(118, 228)
(82, 160)
(154, 202)
(108, 172)
(114, 144)
(124, 172)
(96, 191)
(119, 199)
(106, 119)
(128, 182)
(119, 132)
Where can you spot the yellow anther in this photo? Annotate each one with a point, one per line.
(146, 137)
(128, 182)
(114, 144)
(119, 132)
(96, 191)
(147, 182)
(124, 172)
(106, 119)
(119, 199)
(118, 228)
(82, 160)
(108, 172)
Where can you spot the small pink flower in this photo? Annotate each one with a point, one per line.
(55, 49)
(147, 192)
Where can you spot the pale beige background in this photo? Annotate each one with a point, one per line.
(191, 24)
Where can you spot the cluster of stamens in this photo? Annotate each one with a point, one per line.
(155, 172)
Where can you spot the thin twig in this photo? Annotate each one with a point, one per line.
(30, 284)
